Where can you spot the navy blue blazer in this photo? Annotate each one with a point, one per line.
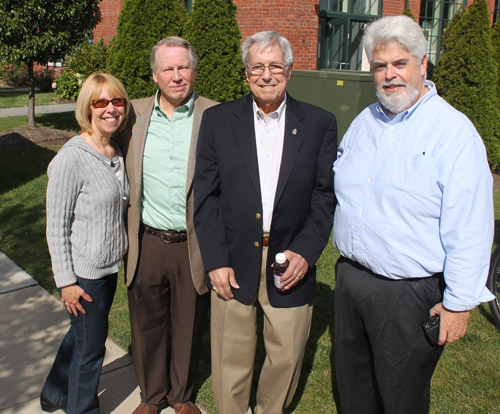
(228, 203)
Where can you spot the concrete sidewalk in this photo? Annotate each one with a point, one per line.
(44, 109)
(32, 326)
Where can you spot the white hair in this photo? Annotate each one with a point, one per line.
(399, 28)
(263, 40)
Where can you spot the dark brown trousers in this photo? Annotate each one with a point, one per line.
(167, 319)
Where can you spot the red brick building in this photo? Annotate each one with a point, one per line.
(323, 33)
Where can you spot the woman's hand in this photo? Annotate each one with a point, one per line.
(70, 297)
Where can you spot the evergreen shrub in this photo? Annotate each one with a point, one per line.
(495, 40)
(407, 12)
(80, 63)
(141, 25)
(213, 31)
(88, 58)
(466, 71)
(68, 85)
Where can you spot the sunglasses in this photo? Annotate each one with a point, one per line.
(103, 103)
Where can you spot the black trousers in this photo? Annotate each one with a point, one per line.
(167, 318)
(383, 361)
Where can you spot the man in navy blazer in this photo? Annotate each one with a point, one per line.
(263, 185)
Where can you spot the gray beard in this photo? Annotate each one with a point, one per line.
(397, 102)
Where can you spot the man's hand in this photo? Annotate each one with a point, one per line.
(297, 268)
(223, 279)
(453, 325)
(70, 297)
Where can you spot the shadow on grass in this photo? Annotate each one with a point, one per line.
(486, 313)
(496, 238)
(63, 120)
(323, 319)
(22, 212)
(22, 237)
(21, 165)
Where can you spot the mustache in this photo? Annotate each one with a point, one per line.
(390, 84)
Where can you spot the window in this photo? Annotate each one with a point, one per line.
(341, 26)
(188, 4)
(435, 16)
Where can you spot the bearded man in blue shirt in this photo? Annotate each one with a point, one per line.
(414, 226)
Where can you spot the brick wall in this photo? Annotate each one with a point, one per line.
(297, 20)
(396, 7)
(110, 10)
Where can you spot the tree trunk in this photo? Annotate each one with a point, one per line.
(31, 105)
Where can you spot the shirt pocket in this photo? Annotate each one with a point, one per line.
(413, 173)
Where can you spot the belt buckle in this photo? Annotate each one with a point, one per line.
(165, 237)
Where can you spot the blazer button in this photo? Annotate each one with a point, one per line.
(257, 216)
(256, 244)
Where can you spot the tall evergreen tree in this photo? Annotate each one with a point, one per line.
(213, 31)
(141, 25)
(495, 40)
(466, 71)
(407, 12)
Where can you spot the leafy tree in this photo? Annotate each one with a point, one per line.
(141, 25)
(213, 31)
(464, 75)
(43, 31)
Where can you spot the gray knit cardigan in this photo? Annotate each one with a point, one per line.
(86, 204)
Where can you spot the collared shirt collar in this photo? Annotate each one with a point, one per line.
(187, 108)
(405, 115)
(278, 114)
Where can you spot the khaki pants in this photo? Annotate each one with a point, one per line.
(234, 338)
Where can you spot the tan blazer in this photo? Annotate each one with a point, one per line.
(132, 141)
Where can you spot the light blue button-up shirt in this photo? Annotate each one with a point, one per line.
(415, 198)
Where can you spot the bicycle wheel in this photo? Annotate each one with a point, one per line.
(493, 284)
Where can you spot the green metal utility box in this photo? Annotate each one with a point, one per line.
(343, 92)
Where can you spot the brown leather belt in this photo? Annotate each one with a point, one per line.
(169, 236)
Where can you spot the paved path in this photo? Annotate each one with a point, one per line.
(32, 325)
(44, 109)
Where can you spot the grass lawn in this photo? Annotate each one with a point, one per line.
(61, 120)
(467, 379)
(19, 99)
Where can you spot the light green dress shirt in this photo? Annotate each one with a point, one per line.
(165, 167)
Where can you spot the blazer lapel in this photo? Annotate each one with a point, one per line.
(139, 133)
(244, 130)
(295, 132)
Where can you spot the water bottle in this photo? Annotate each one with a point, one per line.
(279, 268)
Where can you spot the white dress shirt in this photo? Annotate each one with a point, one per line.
(269, 136)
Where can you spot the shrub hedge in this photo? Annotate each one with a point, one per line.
(140, 26)
(466, 71)
(213, 31)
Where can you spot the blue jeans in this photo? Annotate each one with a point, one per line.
(74, 378)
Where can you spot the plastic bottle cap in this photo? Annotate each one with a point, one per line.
(280, 258)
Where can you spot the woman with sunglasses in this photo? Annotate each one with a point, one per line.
(87, 197)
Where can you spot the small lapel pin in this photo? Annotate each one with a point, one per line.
(294, 131)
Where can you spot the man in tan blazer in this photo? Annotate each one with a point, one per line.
(164, 271)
